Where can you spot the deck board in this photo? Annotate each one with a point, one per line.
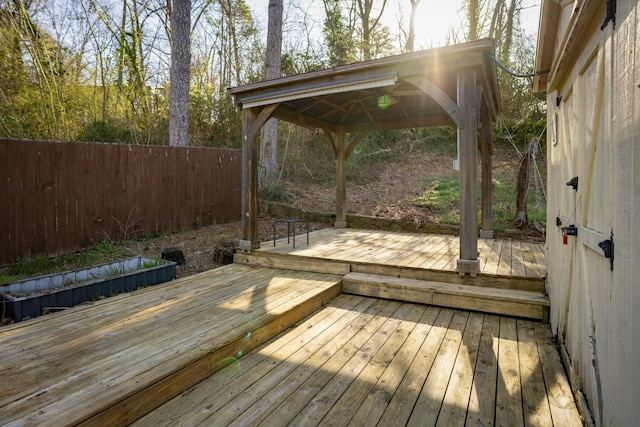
(508, 395)
(505, 265)
(194, 407)
(456, 399)
(395, 332)
(534, 396)
(422, 250)
(482, 401)
(353, 359)
(559, 395)
(375, 403)
(388, 363)
(499, 257)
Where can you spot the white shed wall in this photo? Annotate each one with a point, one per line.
(594, 134)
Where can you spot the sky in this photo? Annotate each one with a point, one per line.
(435, 17)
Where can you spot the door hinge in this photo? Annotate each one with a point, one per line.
(611, 14)
(607, 248)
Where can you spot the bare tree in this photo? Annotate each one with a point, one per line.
(495, 28)
(509, 26)
(411, 37)
(180, 73)
(525, 176)
(369, 24)
(272, 71)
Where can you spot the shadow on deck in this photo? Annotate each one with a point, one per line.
(245, 343)
(419, 268)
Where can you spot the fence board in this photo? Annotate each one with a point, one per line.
(29, 230)
(68, 196)
(132, 216)
(180, 164)
(58, 197)
(50, 206)
(39, 191)
(85, 201)
(5, 224)
(16, 199)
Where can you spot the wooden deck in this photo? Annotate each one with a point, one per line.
(410, 255)
(354, 360)
(365, 362)
(110, 362)
(419, 268)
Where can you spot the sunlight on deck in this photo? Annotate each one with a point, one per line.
(363, 361)
(501, 257)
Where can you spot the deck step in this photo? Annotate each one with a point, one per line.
(529, 304)
(332, 266)
(289, 262)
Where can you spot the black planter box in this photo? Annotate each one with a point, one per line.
(29, 298)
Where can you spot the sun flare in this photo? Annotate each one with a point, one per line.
(434, 22)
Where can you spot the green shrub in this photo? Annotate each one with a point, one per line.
(104, 131)
(440, 194)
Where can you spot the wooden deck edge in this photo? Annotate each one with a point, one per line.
(317, 265)
(290, 262)
(463, 297)
(481, 280)
(143, 400)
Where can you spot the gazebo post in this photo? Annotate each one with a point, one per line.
(250, 160)
(468, 262)
(341, 178)
(486, 232)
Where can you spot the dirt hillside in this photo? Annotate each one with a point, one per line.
(387, 194)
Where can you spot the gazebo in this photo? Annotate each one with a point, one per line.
(453, 85)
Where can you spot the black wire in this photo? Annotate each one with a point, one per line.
(504, 68)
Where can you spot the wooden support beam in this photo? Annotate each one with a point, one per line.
(341, 178)
(355, 141)
(252, 122)
(486, 150)
(351, 105)
(250, 160)
(454, 111)
(293, 116)
(468, 262)
(332, 142)
(264, 115)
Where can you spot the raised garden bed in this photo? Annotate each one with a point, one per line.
(32, 297)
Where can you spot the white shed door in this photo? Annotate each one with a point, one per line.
(591, 278)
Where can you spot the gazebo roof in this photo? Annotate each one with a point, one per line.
(416, 89)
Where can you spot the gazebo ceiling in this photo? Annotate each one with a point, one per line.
(416, 89)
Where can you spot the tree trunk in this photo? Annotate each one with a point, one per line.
(411, 38)
(121, 58)
(508, 36)
(523, 181)
(473, 13)
(272, 71)
(495, 28)
(180, 73)
(368, 25)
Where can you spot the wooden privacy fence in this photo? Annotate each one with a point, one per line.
(58, 197)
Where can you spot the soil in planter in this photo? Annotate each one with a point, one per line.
(27, 298)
